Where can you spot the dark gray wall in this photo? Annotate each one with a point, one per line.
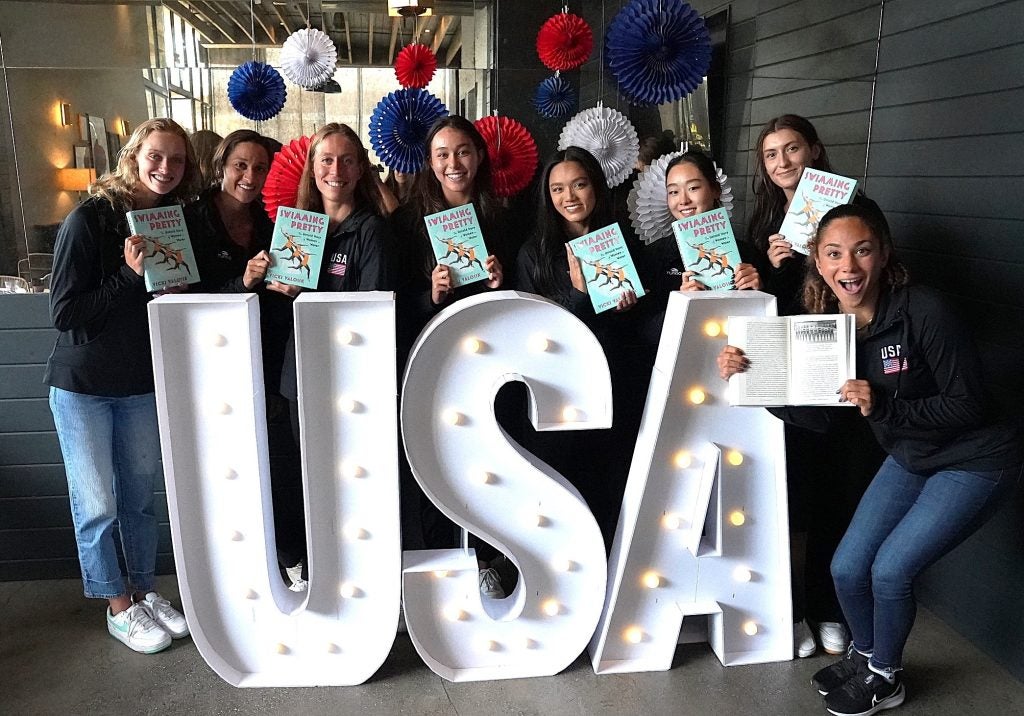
(36, 537)
(942, 154)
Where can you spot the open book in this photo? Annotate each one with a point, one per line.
(794, 360)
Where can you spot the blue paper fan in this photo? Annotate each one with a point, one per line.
(554, 97)
(256, 90)
(399, 126)
(658, 51)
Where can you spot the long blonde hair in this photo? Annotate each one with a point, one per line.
(118, 185)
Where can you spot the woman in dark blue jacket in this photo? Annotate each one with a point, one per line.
(950, 459)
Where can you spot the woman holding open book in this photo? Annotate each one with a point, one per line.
(920, 388)
(100, 375)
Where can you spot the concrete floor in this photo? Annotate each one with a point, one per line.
(56, 658)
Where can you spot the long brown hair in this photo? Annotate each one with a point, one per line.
(769, 199)
(818, 297)
(366, 194)
(118, 185)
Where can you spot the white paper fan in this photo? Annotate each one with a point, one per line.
(609, 136)
(308, 58)
(648, 203)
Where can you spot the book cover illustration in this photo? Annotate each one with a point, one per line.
(169, 259)
(607, 266)
(816, 193)
(458, 242)
(297, 247)
(707, 246)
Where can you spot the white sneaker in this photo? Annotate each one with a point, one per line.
(170, 619)
(298, 584)
(490, 584)
(834, 637)
(135, 628)
(803, 640)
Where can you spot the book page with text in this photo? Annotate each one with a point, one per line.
(765, 342)
(819, 358)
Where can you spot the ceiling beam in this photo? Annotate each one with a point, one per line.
(193, 11)
(453, 48)
(369, 42)
(441, 33)
(218, 11)
(394, 40)
(348, 37)
(280, 16)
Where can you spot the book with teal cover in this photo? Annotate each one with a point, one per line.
(458, 242)
(607, 266)
(816, 193)
(169, 259)
(297, 247)
(708, 248)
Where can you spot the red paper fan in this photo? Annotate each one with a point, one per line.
(512, 152)
(282, 185)
(564, 42)
(415, 65)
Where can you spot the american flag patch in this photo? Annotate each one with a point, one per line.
(338, 269)
(893, 365)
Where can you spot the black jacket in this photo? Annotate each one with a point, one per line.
(930, 408)
(98, 303)
(221, 261)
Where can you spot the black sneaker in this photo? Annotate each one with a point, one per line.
(832, 677)
(864, 695)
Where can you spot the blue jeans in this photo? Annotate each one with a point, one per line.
(904, 523)
(111, 449)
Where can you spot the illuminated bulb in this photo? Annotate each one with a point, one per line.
(551, 607)
(345, 336)
(351, 470)
(281, 648)
(712, 329)
(236, 536)
(453, 613)
(348, 590)
(229, 473)
(697, 396)
(224, 408)
(634, 635)
(541, 521)
(355, 532)
(219, 340)
(683, 459)
(737, 518)
(529, 643)
(442, 573)
(333, 648)
(490, 645)
(652, 580)
(348, 405)
(452, 417)
(671, 521)
(734, 458)
(472, 345)
(741, 574)
(563, 564)
(483, 477)
(251, 594)
(570, 414)
(749, 628)
(539, 344)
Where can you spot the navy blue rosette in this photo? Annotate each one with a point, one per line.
(399, 126)
(555, 97)
(256, 91)
(659, 51)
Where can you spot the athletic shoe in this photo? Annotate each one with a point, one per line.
(833, 637)
(832, 677)
(803, 640)
(866, 694)
(170, 619)
(135, 628)
(490, 584)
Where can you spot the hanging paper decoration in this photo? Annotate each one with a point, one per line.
(282, 185)
(658, 51)
(415, 65)
(256, 91)
(309, 58)
(609, 136)
(564, 42)
(555, 97)
(512, 152)
(648, 200)
(399, 126)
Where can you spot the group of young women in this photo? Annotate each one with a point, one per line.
(946, 460)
